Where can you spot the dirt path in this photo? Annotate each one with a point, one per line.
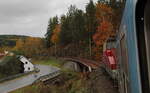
(100, 82)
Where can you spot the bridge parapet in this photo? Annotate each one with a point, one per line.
(88, 63)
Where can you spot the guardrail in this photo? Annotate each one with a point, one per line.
(47, 77)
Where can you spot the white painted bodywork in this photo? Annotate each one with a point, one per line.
(28, 66)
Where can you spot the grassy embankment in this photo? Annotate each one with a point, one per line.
(69, 82)
(52, 62)
(9, 65)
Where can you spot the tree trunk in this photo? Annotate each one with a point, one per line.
(55, 50)
(90, 46)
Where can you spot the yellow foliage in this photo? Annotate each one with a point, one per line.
(30, 46)
(19, 45)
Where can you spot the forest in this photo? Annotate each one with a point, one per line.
(81, 33)
(10, 40)
(77, 33)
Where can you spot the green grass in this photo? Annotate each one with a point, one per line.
(53, 62)
(28, 89)
(5, 59)
(9, 66)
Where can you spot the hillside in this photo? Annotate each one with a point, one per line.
(10, 40)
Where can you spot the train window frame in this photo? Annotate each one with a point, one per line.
(140, 31)
(147, 34)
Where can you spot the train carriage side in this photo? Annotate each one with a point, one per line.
(134, 47)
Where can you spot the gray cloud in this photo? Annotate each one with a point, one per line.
(30, 17)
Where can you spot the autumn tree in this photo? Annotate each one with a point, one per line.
(55, 37)
(104, 12)
(33, 46)
(103, 32)
(51, 26)
(87, 29)
(104, 16)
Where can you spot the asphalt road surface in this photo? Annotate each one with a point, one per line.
(14, 84)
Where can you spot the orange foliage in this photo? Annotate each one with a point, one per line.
(30, 46)
(33, 46)
(103, 12)
(104, 15)
(55, 36)
(97, 52)
(103, 32)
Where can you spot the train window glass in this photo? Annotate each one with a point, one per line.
(142, 29)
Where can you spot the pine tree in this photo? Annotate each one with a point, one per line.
(90, 23)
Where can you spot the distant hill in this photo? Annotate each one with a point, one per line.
(10, 40)
(12, 36)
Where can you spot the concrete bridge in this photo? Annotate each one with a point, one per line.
(86, 65)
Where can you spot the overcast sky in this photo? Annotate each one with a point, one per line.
(30, 17)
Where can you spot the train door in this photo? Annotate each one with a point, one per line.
(147, 36)
(124, 74)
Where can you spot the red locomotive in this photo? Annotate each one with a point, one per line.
(109, 57)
